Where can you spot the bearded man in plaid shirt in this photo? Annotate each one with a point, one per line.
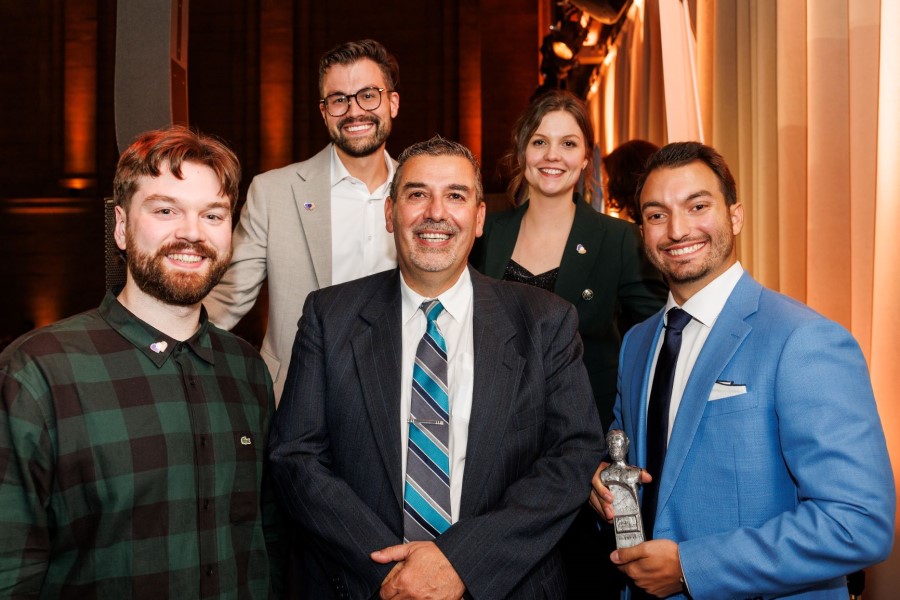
(132, 436)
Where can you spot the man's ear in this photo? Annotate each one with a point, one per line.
(388, 214)
(736, 211)
(479, 220)
(119, 231)
(394, 99)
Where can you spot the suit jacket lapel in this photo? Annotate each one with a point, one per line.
(377, 350)
(576, 268)
(641, 348)
(502, 241)
(498, 368)
(312, 195)
(728, 332)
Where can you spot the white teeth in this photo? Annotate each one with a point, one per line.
(187, 258)
(359, 127)
(439, 237)
(688, 250)
(552, 171)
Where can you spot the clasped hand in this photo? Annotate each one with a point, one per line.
(422, 572)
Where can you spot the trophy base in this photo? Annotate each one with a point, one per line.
(629, 531)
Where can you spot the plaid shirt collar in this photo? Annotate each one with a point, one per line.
(156, 345)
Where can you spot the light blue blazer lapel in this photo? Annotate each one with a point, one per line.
(377, 350)
(728, 333)
(312, 196)
(498, 369)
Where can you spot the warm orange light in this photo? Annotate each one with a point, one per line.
(78, 183)
(276, 85)
(470, 71)
(45, 206)
(45, 308)
(80, 88)
(561, 50)
(885, 317)
(608, 74)
(593, 34)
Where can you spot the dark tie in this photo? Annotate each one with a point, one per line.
(658, 413)
(426, 495)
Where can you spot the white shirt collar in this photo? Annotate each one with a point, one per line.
(339, 172)
(455, 300)
(705, 305)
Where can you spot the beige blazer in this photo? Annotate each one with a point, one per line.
(284, 234)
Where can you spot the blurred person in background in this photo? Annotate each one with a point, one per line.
(623, 167)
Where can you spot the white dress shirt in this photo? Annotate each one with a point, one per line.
(704, 308)
(456, 326)
(360, 243)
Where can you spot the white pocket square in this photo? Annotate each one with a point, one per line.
(726, 389)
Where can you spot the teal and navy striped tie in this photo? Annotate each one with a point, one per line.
(426, 497)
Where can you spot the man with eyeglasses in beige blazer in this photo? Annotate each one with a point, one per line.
(319, 222)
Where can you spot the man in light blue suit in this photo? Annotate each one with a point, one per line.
(775, 478)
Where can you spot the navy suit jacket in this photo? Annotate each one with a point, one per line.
(780, 487)
(534, 439)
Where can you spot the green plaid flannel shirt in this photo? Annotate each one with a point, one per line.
(131, 464)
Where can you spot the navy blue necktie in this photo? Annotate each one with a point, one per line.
(658, 413)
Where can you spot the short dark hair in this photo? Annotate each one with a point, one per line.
(351, 52)
(530, 120)
(171, 147)
(678, 154)
(624, 167)
(437, 146)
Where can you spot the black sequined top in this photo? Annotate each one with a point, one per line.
(516, 272)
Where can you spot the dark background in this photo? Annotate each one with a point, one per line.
(467, 68)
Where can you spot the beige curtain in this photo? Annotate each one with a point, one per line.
(802, 97)
(630, 95)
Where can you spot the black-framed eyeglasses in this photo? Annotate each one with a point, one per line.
(337, 105)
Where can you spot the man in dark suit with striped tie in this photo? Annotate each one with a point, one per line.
(439, 432)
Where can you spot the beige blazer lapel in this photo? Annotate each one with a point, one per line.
(312, 196)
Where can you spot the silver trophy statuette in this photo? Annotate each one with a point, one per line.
(623, 480)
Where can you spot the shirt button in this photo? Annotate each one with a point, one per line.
(206, 504)
(203, 442)
(209, 572)
(587, 294)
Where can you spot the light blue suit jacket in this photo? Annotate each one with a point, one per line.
(781, 490)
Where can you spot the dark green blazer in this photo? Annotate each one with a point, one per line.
(611, 284)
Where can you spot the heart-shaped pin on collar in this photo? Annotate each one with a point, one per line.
(159, 347)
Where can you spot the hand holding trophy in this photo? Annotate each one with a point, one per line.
(623, 480)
